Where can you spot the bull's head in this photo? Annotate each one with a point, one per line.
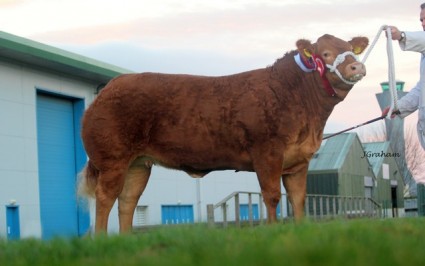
(337, 56)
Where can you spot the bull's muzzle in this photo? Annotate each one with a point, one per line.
(354, 71)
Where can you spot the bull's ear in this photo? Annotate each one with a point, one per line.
(359, 44)
(305, 48)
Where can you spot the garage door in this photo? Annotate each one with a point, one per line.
(177, 214)
(59, 157)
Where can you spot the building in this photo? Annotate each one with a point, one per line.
(344, 166)
(340, 167)
(43, 94)
(390, 184)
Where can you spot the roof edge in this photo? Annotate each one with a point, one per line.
(35, 53)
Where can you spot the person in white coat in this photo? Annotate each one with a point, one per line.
(415, 99)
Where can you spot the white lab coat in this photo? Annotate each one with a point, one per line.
(415, 99)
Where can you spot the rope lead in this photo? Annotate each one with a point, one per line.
(391, 67)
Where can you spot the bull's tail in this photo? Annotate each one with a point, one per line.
(88, 180)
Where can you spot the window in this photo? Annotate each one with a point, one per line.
(141, 216)
(385, 171)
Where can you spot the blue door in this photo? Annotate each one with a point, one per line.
(244, 212)
(12, 222)
(177, 214)
(60, 157)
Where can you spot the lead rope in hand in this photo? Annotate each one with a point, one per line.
(391, 67)
(391, 75)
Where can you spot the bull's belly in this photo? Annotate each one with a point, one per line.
(196, 165)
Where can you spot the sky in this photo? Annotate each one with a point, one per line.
(220, 37)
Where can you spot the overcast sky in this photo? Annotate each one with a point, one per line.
(219, 37)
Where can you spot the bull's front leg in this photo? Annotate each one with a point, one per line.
(296, 187)
(268, 167)
(270, 189)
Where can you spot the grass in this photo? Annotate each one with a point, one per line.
(356, 242)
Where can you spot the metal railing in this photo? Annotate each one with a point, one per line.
(317, 207)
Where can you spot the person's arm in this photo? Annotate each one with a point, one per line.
(410, 102)
(409, 41)
(413, 41)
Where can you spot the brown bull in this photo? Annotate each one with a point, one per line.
(268, 120)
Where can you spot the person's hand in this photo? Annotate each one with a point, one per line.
(395, 33)
(387, 109)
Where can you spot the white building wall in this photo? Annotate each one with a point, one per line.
(18, 137)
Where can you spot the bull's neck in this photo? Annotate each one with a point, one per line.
(292, 81)
(318, 95)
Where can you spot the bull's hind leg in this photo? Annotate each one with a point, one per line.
(108, 188)
(296, 185)
(135, 183)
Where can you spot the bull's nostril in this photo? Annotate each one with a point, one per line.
(353, 68)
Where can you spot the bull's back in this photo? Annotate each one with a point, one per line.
(184, 116)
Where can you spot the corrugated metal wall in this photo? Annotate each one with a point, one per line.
(348, 177)
(383, 190)
(353, 171)
(321, 184)
(324, 184)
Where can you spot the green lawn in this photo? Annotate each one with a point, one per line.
(356, 242)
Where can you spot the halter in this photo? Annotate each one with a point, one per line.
(317, 63)
(339, 60)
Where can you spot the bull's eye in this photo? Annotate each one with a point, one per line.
(325, 54)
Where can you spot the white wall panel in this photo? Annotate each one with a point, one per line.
(18, 137)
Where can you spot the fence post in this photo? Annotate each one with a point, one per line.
(346, 206)
(307, 206)
(224, 209)
(367, 207)
(327, 206)
(340, 210)
(281, 207)
(250, 214)
(360, 206)
(237, 211)
(260, 203)
(210, 215)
